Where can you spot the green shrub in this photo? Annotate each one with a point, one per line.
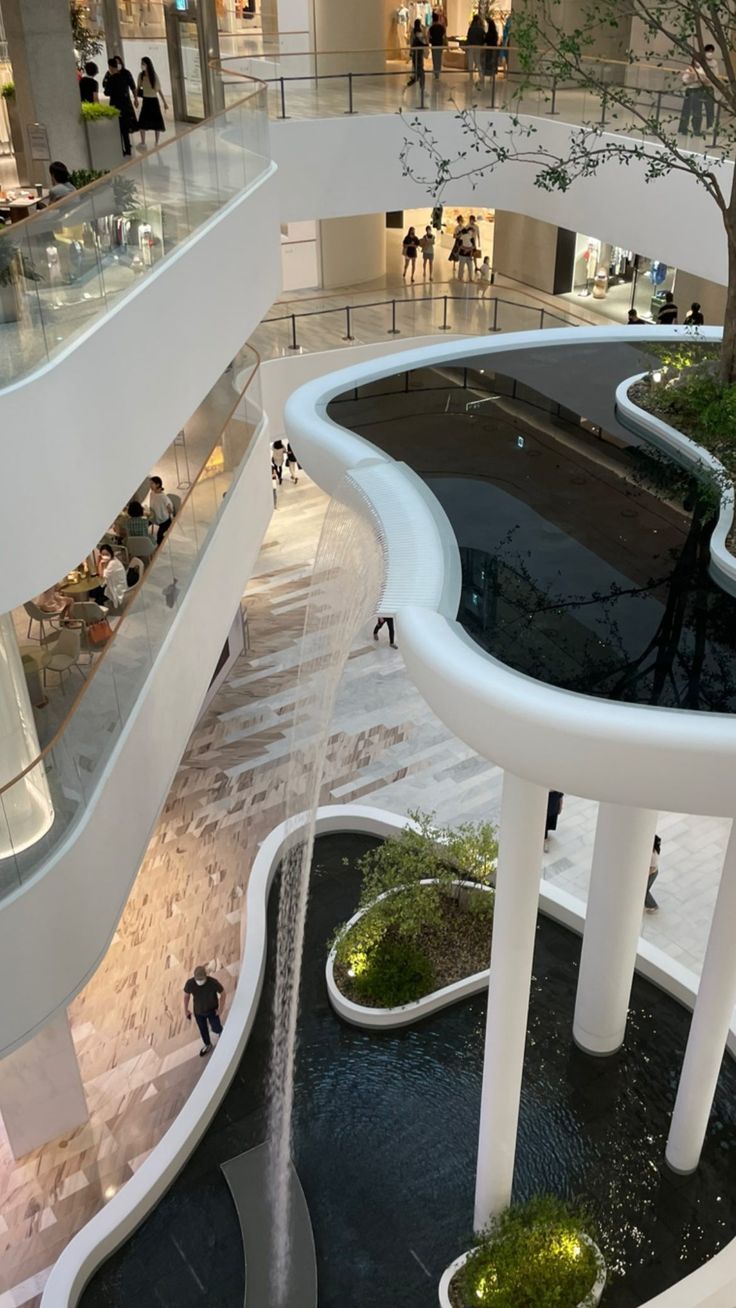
(90, 111)
(531, 1257)
(7, 90)
(393, 973)
(83, 176)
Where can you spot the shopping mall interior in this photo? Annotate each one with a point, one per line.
(368, 657)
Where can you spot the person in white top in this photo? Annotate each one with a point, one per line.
(114, 583)
(161, 508)
(650, 902)
(485, 276)
(698, 93)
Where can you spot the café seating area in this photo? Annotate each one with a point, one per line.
(61, 644)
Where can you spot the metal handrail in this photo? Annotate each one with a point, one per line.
(104, 654)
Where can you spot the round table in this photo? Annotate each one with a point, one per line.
(82, 587)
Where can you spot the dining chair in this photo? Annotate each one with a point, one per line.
(64, 655)
(139, 547)
(35, 614)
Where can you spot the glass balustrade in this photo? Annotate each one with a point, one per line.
(66, 266)
(66, 773)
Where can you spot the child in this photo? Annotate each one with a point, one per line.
(485, 275)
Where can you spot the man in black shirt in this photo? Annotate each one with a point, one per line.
(669, 311)
(88, 85)
(208, 998)
(437, 40)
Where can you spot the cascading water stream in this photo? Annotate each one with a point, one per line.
(344, 593)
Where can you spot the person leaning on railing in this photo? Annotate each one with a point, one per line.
(698, 93)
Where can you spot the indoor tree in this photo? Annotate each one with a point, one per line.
(665, 36)
(86, 43)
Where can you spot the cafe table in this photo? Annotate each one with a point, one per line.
(81, 587)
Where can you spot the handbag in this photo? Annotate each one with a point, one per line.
(99, 632)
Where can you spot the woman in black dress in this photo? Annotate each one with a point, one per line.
(150, 118)
(118, 86)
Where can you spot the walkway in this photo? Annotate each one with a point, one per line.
(139, 1058)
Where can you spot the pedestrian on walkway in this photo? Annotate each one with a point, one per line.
(207, 997)
(427, 243)
(485, 276)
(555, 800)
(278, 454)
(409, 247)
(667, 315)
(465, 251)
(650, 903)
(418, 51)
(475, 50)
(291, 463)
(160, 508)
(694, 316)
(437, 42)
(387, 622)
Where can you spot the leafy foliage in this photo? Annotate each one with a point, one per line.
(91, 112)
(86, 44)
(393, 873)
(7, 90)
(394, 973)
(696, 402)
(552, 54)
(531, 1255)
(84, 176)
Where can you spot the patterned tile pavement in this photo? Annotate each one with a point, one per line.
(137, 1054)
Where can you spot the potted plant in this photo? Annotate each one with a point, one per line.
(102, 129)
(15, 268)
(542, 1252)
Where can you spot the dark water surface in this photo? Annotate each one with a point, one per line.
(386, 1130)
(572, 571)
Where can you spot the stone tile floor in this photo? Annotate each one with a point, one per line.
(138, 1059)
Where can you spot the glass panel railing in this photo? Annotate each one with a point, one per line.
(637, 97)
(65, 267)
(63, 779)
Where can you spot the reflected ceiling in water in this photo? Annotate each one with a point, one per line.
(584, 554)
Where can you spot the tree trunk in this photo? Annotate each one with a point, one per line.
(728, 349)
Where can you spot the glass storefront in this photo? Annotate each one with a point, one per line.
(621, 278)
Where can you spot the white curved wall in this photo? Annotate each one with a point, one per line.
(351, 165)
(80, 434)
(646, 757)
(55, 929)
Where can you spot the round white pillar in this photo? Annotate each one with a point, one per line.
(26, 812)
(709, 1027)
(618, 882)
(523, 809)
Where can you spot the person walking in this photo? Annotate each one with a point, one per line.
(475, 233)
(555, 800)
(475, 43)
(418, 50)
(148, 90)
(291, 463)
(491, 50)
(453, 256)
(118, 86)
(667, 315)
(427, 243)
(389, 623)
(161, 508)
(278, 455)
(437, 41)
(650, 903)
(465, 250)
(89, 87)
(207, 997)
(634, 320)
(409, 247)
(694, 316)
(698, 93)
(485, 274)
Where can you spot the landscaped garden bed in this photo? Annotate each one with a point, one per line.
(540, 1254)
(425, 917)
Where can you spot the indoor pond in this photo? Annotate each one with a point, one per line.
(584, 556)
(386, 1127)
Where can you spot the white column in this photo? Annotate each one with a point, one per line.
(41, 52)
(523, 808)
(709, 1027)
(41, 1092)
(26, 812)
(352, 249)
(618, 882)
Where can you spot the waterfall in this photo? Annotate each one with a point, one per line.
(344, 593)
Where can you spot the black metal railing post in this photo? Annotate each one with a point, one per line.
(350, 109)
(293, 345)
(658, 110)
(493, 87)
(393, 329)
(349, 336)
(283, 113)
(494, 327)
(444, 325)
(421, 91)
(716, 124)
(604, 106)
